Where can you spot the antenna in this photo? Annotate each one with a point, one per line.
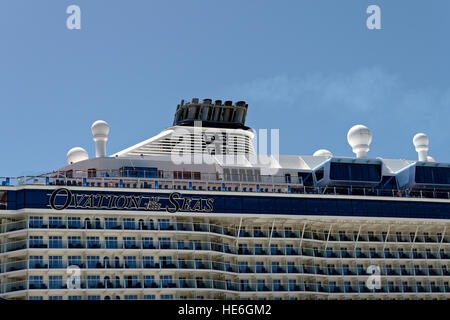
(421, 143)
(359, 138)
(100, 131)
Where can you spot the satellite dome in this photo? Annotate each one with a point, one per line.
(359, 138)
(323, 153)
(100, 128)
(430, 159)
(76, 154)
(421, 143)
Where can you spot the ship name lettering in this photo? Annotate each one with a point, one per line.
(64, 198)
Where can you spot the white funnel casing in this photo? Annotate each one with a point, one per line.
(100, 131)
(359, 138)
(421, 143)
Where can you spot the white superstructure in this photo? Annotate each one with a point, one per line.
(195, 213)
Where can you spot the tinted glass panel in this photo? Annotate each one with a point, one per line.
(233, 204)
(267, 205)
(432, 175)
(319, 174)
(305, 178)
(140, 172)
(344, 207)
(250, 205)
(286, 205)
(339, 171)
(355, 172)
(388, 182)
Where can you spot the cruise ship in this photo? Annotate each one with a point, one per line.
(196, 212)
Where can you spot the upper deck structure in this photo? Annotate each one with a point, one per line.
(196, 212)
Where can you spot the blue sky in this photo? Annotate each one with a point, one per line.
(310, 68)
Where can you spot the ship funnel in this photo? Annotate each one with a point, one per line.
(359, 138)
(213, 115)
(100, 131)
(421, 143)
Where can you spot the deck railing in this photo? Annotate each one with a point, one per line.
(136, 284)
(209, 265)
(212, 182)
(261, 233)
(251, 250)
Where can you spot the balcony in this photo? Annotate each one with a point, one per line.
(229, 231)
(331, 270)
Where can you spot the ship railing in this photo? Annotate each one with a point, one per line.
(95, 283)
(13, 266)
(191, 265)
(87, 224)
(214, 182)
(250, 267)
(14, 286)
(275, 249)
(13, 246)
(244, 233)
(429, 254)
(126, 225)
(13, 226)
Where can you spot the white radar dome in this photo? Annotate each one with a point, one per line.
(421, 143)
(100, 128)
(100, 131)
(76, 154)
(359, 138)
(430, 159)
(323, 153)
